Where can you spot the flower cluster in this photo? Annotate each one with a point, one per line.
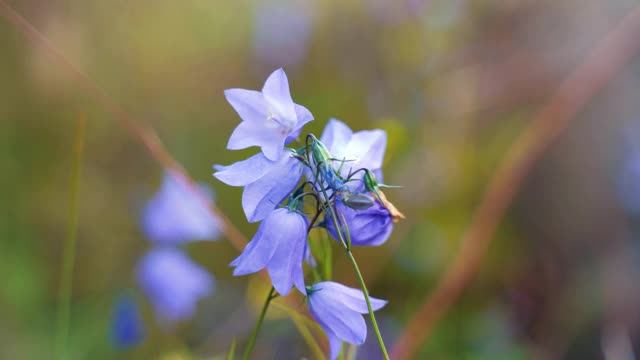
(336, 176)
(171, 281)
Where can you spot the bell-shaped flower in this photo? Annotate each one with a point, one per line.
(279, 246)
(173, 283)
(266, 183)
(177, 213)
(270, 119)
(127, 329)
(369, 227)
(353, 151)
(338, 308)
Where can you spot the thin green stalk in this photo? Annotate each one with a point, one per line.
(254, 335)
(69, 251)
(366, 297)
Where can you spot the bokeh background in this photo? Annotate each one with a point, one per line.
(453, 82)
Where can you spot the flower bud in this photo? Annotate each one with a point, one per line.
(356, 201)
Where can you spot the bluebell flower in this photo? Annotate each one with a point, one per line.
(127, 328)
(173, 283)
(176, 214)
(279, 246)
(363, 149)
(370, 227)
(267, 183)
(270, 119)
(338, 308)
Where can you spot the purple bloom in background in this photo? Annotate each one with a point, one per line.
(282, 31)
(270, 119)
(363, 149)
(338, 308)
(127, 329)
(266, 182)
(370, 227)
(173, 283)
(278, 246)
(176, 214)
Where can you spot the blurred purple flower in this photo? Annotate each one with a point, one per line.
(363, 149)
(127, 329)
(176, 214)
(266, 182)
(270, 119)
(338, 308)
(278, 246)
(628, 182)
(370, 227)
(282, 31)
(173, 283)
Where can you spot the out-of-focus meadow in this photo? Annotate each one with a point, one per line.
(454, 83)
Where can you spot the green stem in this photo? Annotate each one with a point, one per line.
(69, 252)
(366, 297)
(254, 335)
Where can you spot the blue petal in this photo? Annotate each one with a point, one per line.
(257, 254)
(269, 139)
(304, 116)
(262, 196)
(289, 229)
(350, 297)
(276, 92)
(176, 213)
(244, 172)
(330, 313)
(370, 227)
(127, 328)
(368, 147)
(249, 104)
(335, 137)
(173, 283)
(335, 344)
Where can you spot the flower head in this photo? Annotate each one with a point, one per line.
(267, 183)
(173, 283)
(370, 227)
(338, 308)
(270, 119)
(176, 214)
(278, 246)
(127, 329)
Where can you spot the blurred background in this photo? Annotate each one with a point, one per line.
(453, 82)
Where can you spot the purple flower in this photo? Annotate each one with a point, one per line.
(127, 329)
(370, 227)
(270, 119)
(173, 283)
(338, 310)
(278, 246)
(363, 149)
(176, 214)
(266, 182)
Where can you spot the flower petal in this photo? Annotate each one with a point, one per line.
(368, 147)
(344, 322)
(304, 116)
(248, 134)
(285, 268)
(249, 104)
(351, 298)
(335, 343)
(262, 196)
(257, 254)
(335, 137)
(276, 92)
(173, 283)
(244, 172)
